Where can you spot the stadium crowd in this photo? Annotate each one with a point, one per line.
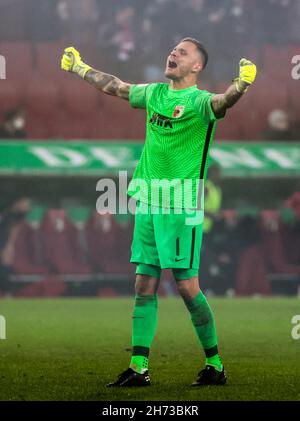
(69, 250)
(131, 39)
(144, 31)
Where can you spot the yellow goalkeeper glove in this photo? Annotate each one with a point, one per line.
(71, 62)
(247, 75)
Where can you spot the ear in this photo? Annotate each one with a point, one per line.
(197, 67)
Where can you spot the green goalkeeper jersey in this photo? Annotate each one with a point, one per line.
(173, 164)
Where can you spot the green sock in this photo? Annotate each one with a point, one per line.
(144, 322)
(204, 324)
(215, 361)
(139, 363)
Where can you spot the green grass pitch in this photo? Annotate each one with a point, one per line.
(68, 349)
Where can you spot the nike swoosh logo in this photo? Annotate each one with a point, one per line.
(178, 260)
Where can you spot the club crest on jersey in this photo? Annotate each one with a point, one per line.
(179, 109)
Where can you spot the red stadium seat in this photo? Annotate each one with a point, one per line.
(276, 62)
(81, 110)
(19, 67)
(28, 258)
(100, 234)
(43, 102)
(231, 128)
(122, 246)
(37, 127)
(60, 241)
(118, 121)
(43, 98)
(48, 56)
(67, 126)
(137, 127)
(109, 244)
(251, 276)
(80, 99)
(272, 244)
(266, 96)
(270, 96)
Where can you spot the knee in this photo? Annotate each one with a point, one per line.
(188, 290)
(184, 290)
(146, 285)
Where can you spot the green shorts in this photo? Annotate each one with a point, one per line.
(167, 240)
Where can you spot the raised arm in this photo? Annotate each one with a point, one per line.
(108, 84)
(111, 85)
(221, 102)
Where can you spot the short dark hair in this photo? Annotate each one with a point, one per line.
(200, 48)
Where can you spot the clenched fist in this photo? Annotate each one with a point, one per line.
(71, 62)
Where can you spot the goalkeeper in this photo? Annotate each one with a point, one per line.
(181, 121)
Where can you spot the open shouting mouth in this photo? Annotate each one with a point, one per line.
(172, 64)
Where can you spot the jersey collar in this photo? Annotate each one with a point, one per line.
(179, 92)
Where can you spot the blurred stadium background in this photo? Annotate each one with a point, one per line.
(59, 136)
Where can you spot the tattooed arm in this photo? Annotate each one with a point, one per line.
(108, 84)
(246, 77)
(111, 85)
(220, 102)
